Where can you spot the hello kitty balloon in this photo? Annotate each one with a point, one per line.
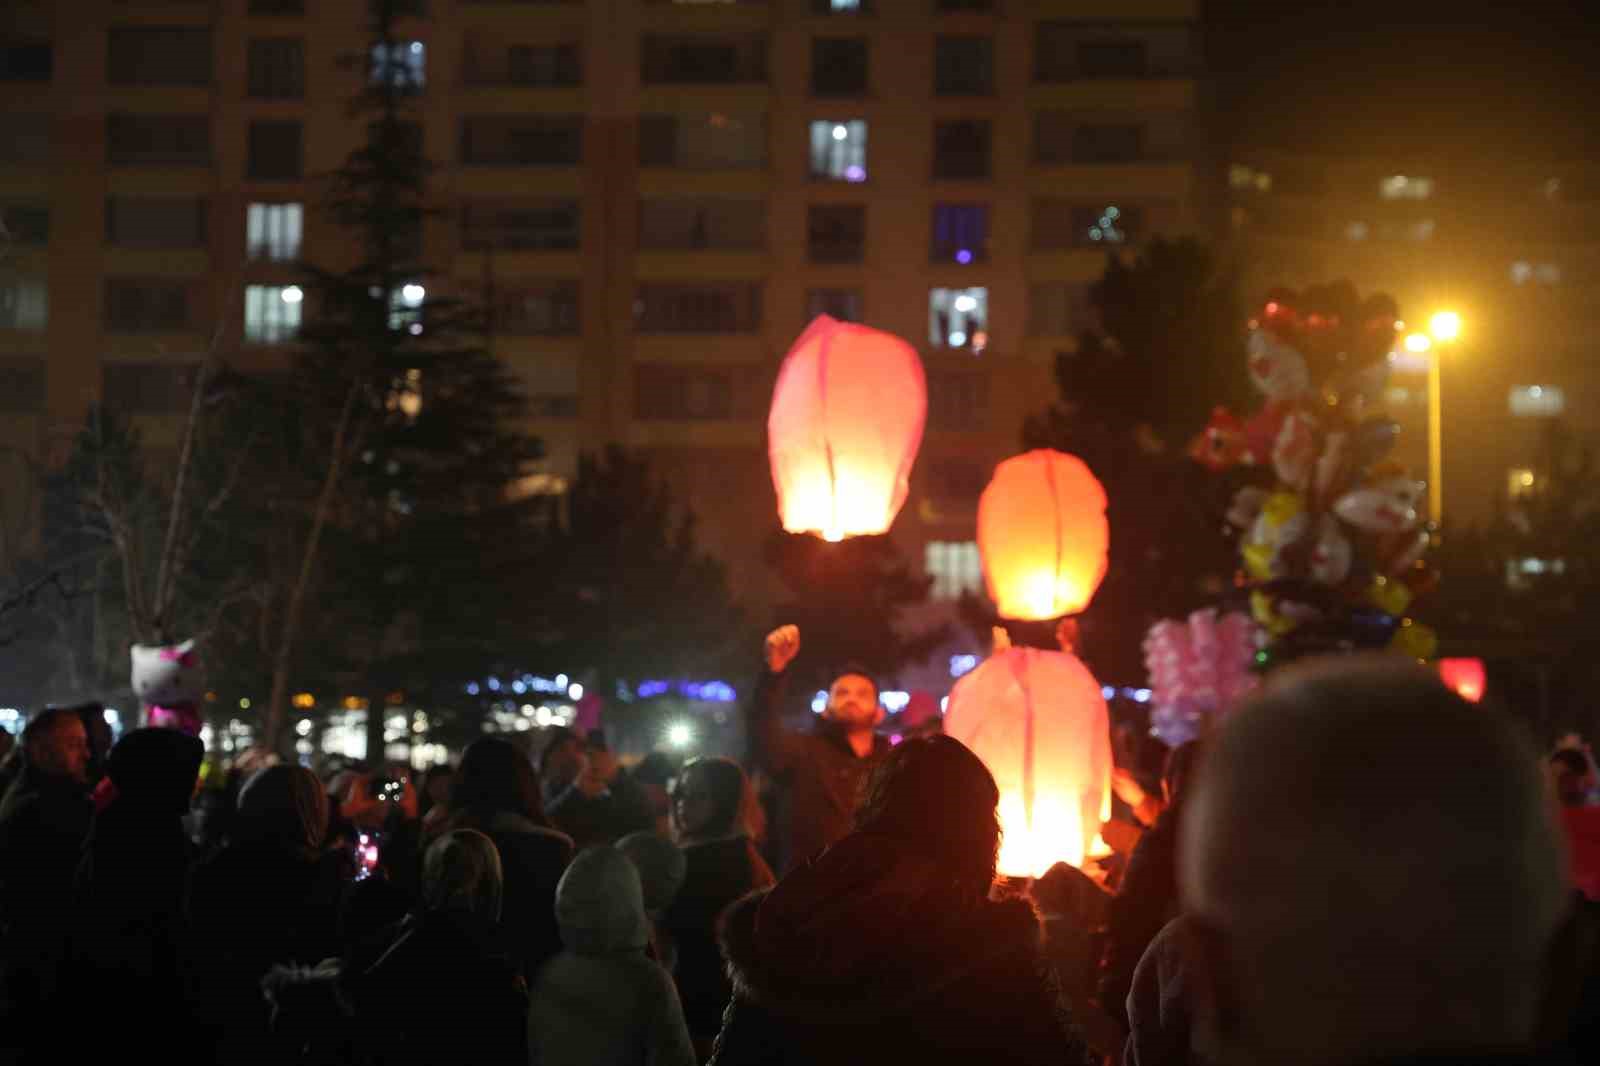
(170, 683)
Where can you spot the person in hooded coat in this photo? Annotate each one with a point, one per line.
(496, 792)
(448, 991)
(273, 874)
(603, 1001)
(129, 951)
(888, 948)
(711, 814)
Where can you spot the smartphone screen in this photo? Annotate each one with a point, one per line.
(366, 855)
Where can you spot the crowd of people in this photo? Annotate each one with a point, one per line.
(1357, 868)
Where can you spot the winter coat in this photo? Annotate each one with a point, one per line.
(604, 819)
(1582, 825)
(863, 957)
(718, 873)
(43, 822)
(445, 994)
(824, 775)
(1160, 1016)
(603, 1001)
(1147, 901)
(532, 860)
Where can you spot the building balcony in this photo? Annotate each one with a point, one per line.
(1177, 93)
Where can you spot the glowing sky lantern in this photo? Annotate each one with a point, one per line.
(1465, 677)
(1038, 721)
(846, 421)
(1042, 534)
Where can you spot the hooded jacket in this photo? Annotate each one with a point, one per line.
(862, 956)
(824, 774)
(602, 1001)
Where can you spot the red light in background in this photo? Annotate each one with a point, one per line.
(1465, 677)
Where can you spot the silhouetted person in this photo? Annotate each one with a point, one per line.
(1573, 779)
(497, 793)
(44, 819)
(98, 730)
(128, 952)
(603, 1001)
(1160, 1008)
(588, 795)
(269, 897)
(434, 792)
(662, 868)
(888, 948)
(447, 991)
(825, 768)
(711, 813)
(1348, 901)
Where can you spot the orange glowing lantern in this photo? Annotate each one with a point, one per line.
(1038, 721)
(1465, 677)
(846, 421)
(1042, 534)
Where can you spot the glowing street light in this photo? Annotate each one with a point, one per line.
(1445, 325)
(1418, 342)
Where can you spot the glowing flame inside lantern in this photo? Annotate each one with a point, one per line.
(846, 422)
(1038, 721)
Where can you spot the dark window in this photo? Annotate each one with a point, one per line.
(706, 307)
(839, 66)
(21, 384)
(401, 8)
(156, 221)
(277, 7)
(963, 66)
(1060, 309)
(958, 400)
(547, 309)
(1108, 143)
(1064, 51)
(951, 6)
(158, 140)
(400, 138)
(702, 223)
(139, 305)
(24, 138)
(715, 141)
(274, 150)
(25, 60)
(960, 233)
(689, 393)
(546, 65)
(522, 140)
(842, 304)
(1113, 59)
(520, 225)
(552, 406)
(836, 233)
(703, 60)
(26, 223)
(149, 388)
(158, 56)
(277, 68)
(1052, 136)
(961, 150)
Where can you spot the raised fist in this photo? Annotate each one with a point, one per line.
(783, 644)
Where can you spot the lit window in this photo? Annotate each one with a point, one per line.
(1109, 227)
(1401, 187)
(271, 313)
(403, 65)
(955, 568)
(1537, 401)
(839, 150)
(1547, 274)
(272, 231)
(1243, 177)
(1356, 231)
(1421, 231)
(405, 308)
(1521, 482)
(958, 319)
(960, 233)
(1521, 272)
(1521, 573)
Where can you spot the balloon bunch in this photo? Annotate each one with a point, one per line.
(1331, 543)
(1198, 670)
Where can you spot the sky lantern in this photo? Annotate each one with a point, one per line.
(1038, 721)
(846, 422)
(1465, 677)
(1042, 534)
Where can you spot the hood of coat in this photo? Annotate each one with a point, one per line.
(868, 928)
(600, 904)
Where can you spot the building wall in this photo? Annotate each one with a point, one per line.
(695, 400)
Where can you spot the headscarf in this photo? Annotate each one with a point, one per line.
(284, 806)
(462, 872)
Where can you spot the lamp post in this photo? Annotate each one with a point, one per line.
(1443, 328)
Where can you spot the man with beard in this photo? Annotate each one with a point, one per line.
(826, 767)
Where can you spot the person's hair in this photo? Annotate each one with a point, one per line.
(425, 802)
(1179, 769)
(1571, 761)
(656, 768)
(46, 722)
(852, 670)
(461, 872)
(936, 794)
(495, 775)
(284, 806)
(554, 738)
(733, 798)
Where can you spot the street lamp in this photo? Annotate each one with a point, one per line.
(1445, 327)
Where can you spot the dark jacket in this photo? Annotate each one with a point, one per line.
(445, 993)
(717, 874)
(591, 820)
(863, 957)
(532, 860)
(824, 775)
(1160, 1008)
(1146, 902)
(43, 822)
